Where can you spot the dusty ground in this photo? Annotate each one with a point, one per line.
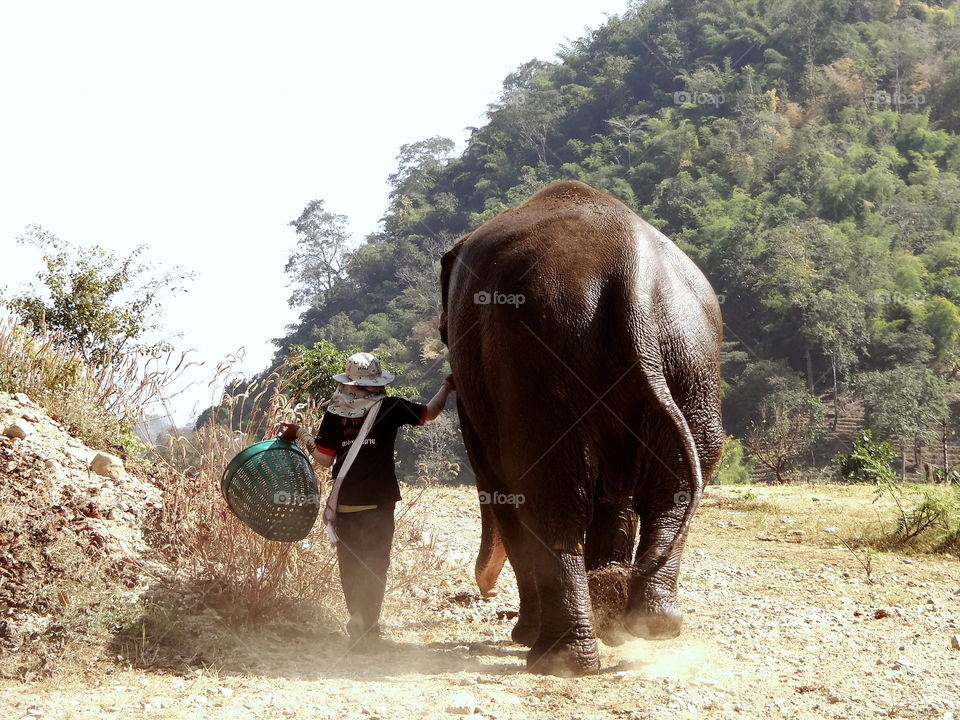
(780, 622)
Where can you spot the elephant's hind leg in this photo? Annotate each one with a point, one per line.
(565, 644)
(652, 609)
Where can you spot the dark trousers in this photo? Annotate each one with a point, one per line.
(363, 554)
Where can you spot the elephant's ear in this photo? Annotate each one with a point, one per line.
(447, 263)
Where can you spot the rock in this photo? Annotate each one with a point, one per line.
(30, 416)
(107, 465)
(19, 429)
(462, 704)
(77, 455)
(24, 400)
(955, 642)
(53, 466)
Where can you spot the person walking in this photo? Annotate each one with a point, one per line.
(360, 512)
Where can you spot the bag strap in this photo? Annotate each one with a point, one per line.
(330, 511)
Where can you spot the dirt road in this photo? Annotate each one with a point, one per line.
(780, 622)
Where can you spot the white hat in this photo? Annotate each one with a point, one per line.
(364, 369)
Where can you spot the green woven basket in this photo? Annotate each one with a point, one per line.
(272, 488)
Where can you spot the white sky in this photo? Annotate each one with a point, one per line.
(202, 128)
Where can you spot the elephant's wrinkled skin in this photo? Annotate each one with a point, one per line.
(591, 394)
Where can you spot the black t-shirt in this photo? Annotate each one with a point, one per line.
(372, 478)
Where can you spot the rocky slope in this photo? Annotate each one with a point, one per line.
(67, 514)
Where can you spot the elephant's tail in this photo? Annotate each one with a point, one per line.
(492, 553)
(653, 559)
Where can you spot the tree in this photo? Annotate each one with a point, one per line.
(790, 421)
(316, 265)
(907, 402)
(103, 306)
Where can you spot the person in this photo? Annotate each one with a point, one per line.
(364, 519)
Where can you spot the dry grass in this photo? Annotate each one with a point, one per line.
(834, 514)
(100, 404)
(225, 581)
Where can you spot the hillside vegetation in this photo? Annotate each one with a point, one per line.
(804, 155)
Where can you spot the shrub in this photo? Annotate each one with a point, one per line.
(732, 469)
(868, 463)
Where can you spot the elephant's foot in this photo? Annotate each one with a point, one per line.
(564, 658)
(654, 615)
(525, 632)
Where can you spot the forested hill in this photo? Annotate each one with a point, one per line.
(803, 153)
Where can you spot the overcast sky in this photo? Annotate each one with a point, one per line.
(202, 128)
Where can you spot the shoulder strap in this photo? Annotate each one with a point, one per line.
(330, 511)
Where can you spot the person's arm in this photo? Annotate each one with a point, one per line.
(294, 433)
(435, 406)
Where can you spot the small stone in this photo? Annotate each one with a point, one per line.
(797, 532)
(462, 704)
(53, 466)
(902, 664)
(23, 399)
(226, 692)
(908, 561)
(107, 465)
(955, 642)
(19, 429)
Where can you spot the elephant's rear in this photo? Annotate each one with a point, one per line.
(556, 330)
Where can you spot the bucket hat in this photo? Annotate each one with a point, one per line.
(363, 369)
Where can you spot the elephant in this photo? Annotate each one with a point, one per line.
(585, 347)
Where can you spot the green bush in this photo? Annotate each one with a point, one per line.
(732, 468)
(868, 463)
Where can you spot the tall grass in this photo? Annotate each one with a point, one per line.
(219, 567)
(100, 403)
